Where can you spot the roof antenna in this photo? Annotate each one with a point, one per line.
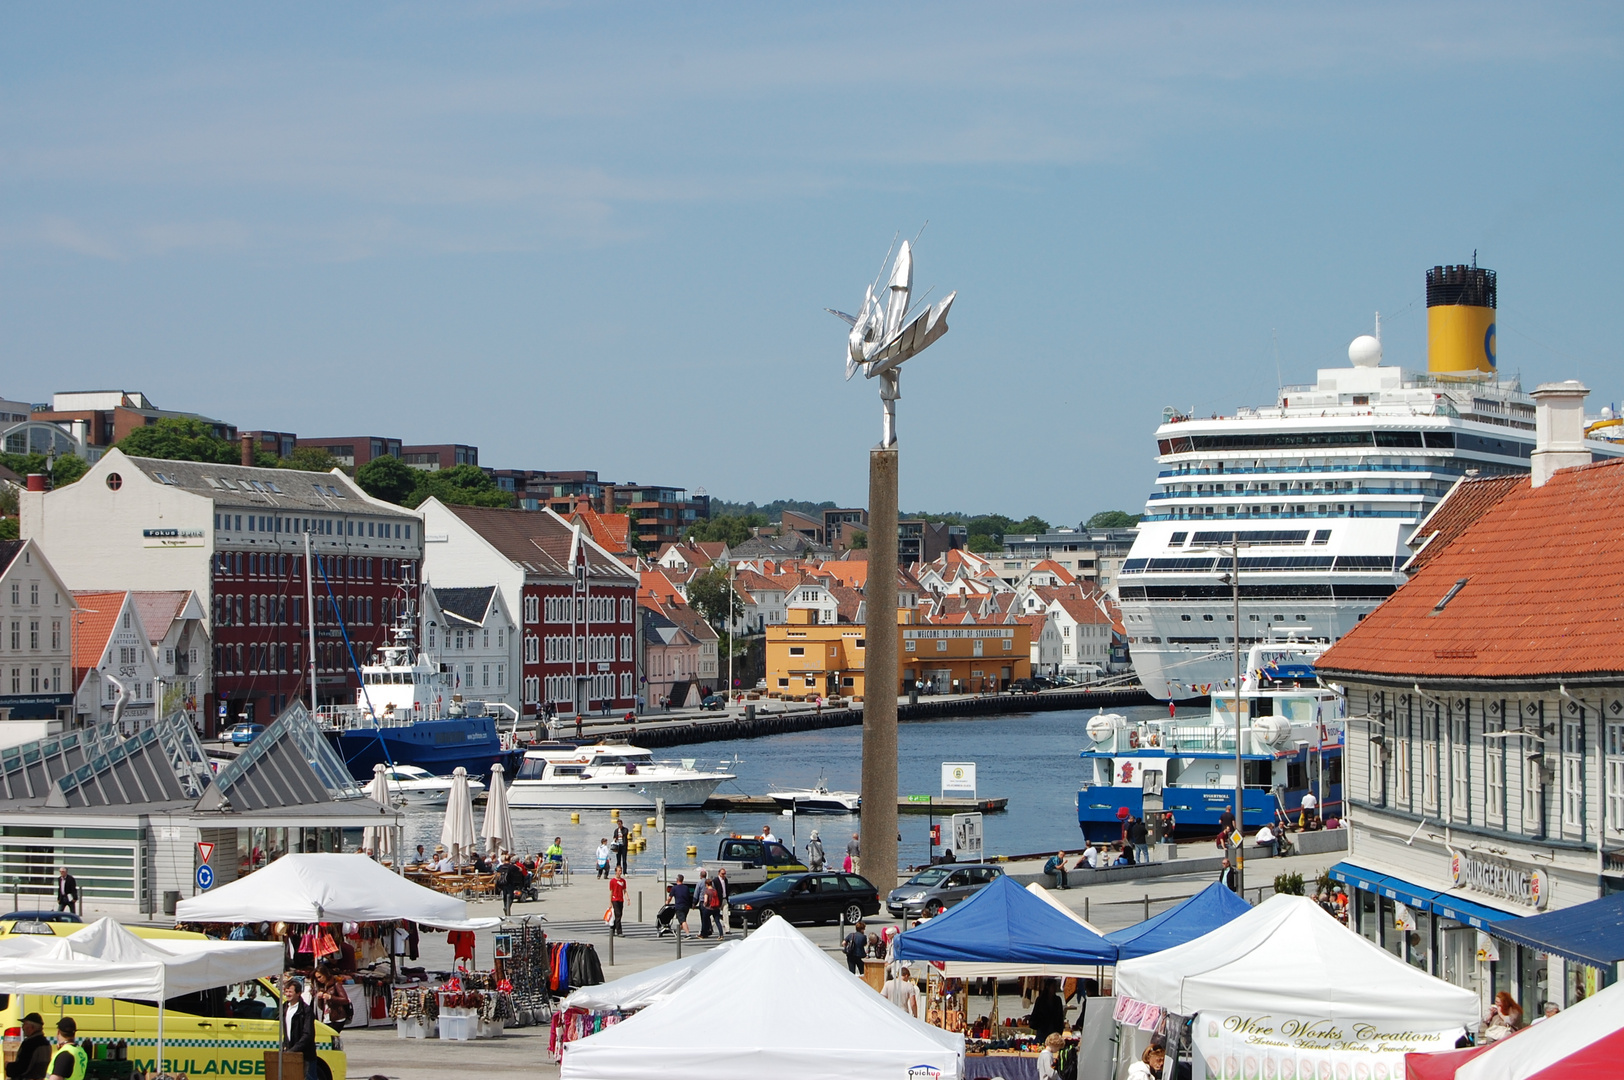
(1474, 258)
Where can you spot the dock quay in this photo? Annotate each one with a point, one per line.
(905, 805)
(760, 719)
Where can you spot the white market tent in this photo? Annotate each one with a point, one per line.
(328, 888)
(106, 960)
(644, 988)
(1288, 957)
(775, 1006)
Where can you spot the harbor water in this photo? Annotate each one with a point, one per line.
(1029, 759)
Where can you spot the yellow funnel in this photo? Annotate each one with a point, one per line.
(1461, 303)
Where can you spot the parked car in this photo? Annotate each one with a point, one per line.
(749, 861)
(938, 887)
(805, 898)
(713, 703)
(38, 922)
(1030, 686)
(243, 734)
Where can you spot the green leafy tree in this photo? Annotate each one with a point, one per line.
(310, 459)
(1032, 524)
(388, 478)
(1113, 519)
(859, 540)
(462, 485)
(713, 597)
(982, 543)
(65, 471)
(180, 438)
(730, 529)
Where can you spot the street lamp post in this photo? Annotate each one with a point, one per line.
(1234, 576)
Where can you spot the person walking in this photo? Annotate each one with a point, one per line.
(1056, 868)
(67, 891)
(555, 851)
(720, 886)
(814, 852)
(506, 871)
(702, 902)
(1228, 877)
(854, 852)
(33, 1053)
(854, 945)
(299, 1026)
(603, 858)
(710, 898)
(1308, 806)
(617, 900)
(681, 896)
(619, 841)
(1139, 837)
(1048, 1011)
(69, 1062)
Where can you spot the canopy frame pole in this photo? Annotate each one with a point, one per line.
(163, 997)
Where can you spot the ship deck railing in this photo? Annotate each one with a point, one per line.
(1290, 493)
(1289, 516)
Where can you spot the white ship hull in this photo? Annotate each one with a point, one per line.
(615, 793)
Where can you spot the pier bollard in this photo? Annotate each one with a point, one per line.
(693, 850)
(575, 817)
(615, 814)
(651, 822)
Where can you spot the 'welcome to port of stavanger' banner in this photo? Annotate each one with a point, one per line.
(1239, 1046)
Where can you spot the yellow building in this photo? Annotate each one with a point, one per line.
(808, 660)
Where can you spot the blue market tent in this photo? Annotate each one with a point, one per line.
(1005, 924)
(1202, 913)
(1591, 933)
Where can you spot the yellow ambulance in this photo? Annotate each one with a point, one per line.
(220, 1032)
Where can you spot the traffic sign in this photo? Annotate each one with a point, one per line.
(205, 877)
(919, 798)
(204, 850)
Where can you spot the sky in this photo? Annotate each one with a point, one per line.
(602, 236)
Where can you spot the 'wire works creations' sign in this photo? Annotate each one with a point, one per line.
(1241, 1047)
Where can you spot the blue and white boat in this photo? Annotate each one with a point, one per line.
(407, 713)
(1292, 733)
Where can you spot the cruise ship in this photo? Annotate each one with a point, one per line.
(1321, 490)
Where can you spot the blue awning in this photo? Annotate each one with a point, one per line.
(1202, 913)
(1453, 907)
(1591, 933)
(1005, 924)
(1391, 887)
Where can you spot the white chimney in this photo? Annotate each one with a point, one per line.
(1559, 428)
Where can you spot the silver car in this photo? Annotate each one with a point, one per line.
(938, 887)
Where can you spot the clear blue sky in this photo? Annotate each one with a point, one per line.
(601, 236)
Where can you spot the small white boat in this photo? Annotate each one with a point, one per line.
(817, 799)
(418, 787)
(607, 776)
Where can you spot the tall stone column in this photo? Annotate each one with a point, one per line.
(880, 675)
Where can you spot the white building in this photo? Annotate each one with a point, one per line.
(176, 624)
(472, 635)
(815, 597)
(114, 669)
(36, 641)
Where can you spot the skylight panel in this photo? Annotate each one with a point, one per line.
(1450, 595)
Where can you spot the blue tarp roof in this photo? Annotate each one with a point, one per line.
(1005, 924)
(1590, 933)
(1202, 913)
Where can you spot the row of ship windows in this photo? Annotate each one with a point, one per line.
(1298, 489)
(1341, 510)
(1346, 563)
(1303, 440)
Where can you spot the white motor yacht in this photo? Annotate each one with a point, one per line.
(418, 787)
(607, 775)
(817, 799)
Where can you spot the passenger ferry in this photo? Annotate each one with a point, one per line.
(1321, 489)
(608, 775)
(407, 714)
(1292, 736)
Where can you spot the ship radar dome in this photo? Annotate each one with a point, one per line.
(1365, 351)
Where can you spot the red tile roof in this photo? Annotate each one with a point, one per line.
(538, 540)
(158, 610)
(93, 625)
(1543, 592)
(1468, 500)
(1049, 566)
(612, 532)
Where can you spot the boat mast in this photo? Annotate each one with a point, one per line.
(310, 615)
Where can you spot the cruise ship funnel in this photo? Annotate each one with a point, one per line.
(1461, 302)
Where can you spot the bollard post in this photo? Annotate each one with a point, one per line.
(1085, 910)
(639, 905)
(611, 944)
(1147, 905)
(678, 927)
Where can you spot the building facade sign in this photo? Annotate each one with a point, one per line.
(1494, 877)
(172, 538)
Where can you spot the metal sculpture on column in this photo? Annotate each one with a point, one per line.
(881, 338)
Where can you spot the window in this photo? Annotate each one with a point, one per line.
(1615, 777)
(531, 612)
(33, 596)
(1494, 772)
(486, 637)
(1429, 757)
(797, 650)
(1573, 772)
(1460, 765)
(908, 646)
(941, 644)
(783, 683)
(532, 649)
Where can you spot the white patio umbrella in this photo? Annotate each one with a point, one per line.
(498, 829)
(379, 839)
(457, 834)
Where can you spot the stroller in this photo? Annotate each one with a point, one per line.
(663, 919)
